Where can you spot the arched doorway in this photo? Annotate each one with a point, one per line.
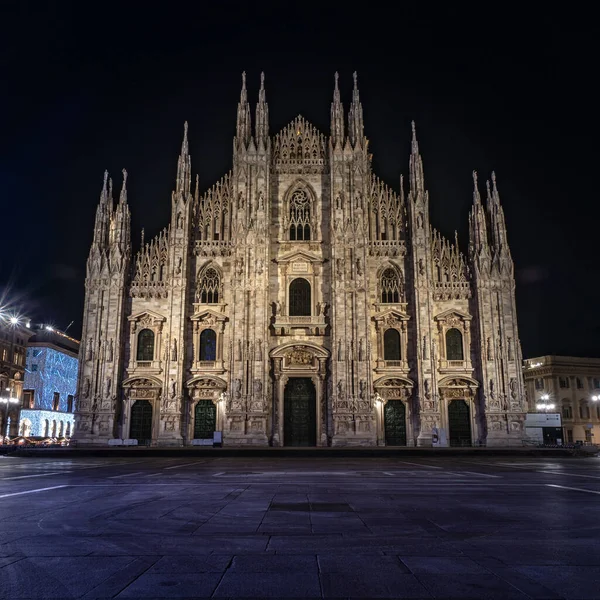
(394, 417)
(141, 421)
(205, 420)
(300, 412)
(459, 423)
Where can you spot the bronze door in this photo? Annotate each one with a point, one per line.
(205, 420)
(141, 422)
(459, 423)
(300, 413)
(395, 423)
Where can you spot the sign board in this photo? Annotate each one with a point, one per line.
(535, 434)
(543, 420)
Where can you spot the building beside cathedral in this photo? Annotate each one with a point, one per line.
(300, 301)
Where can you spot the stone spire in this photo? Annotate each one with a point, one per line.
(103, 214)
(497, 223)
(243, 129)
(478, 238)
(337, 116)
(417, 179)
(355, 116)
(262, 116)
(184, 166)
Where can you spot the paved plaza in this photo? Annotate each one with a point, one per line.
(300, 527)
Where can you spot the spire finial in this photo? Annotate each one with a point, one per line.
(243, 81)
(124, 178)
(355, 77)
(336, 77)
(142, 237)
(494, 186)
(262, 80)
(414, 131)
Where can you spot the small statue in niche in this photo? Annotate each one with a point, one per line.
(178, 269)
(237, 388)
(174, 350)
(261, 200)
(339, 201)
(88, 349)
(240, 351)
(179, 221)
(510, 349)
(107, 386)
(109, 353)
(239, 266)
(277, 306)
(362, 385)
(425, 348)
(361, 349)
(241, 203)
(513, 387)
(322, 307)
(86, 387)
(492, 392)
(490, 349)
(339, 263)
(427, 389)
(340, 389)
(340, 350)
(259, 350)
(259, 266)
(421, 267)
(420, 220)
(359, 266)
(257, 387)
(173, 388)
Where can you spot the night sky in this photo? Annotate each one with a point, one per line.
(88, 87)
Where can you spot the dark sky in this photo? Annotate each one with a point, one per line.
(88, 87)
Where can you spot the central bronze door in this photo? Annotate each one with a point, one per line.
(459, 423)
(300, 413)
(141, 422)
(395, 423)
(205, 420)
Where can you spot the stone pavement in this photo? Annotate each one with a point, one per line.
(294, 527)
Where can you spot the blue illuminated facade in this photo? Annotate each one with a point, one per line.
(49, 385)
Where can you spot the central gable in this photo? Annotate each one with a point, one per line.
(300, 148)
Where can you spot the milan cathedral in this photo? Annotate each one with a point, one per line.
(300, 301)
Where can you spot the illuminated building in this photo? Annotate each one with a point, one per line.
(300, 301)
(14, 335)
(50, 384)
(571, 387)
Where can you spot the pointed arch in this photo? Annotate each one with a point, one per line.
(299, 211)
(390, 284)
(209, 289)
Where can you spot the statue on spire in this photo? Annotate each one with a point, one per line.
(337, 116)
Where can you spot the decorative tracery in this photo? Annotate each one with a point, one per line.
(209, 286)
(390, 287)
(299, 216)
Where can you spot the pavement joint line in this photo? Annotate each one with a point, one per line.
(569, 474)
(36, 475)
(564, 487)
(126, 475)
(405, 462)
(181, 466)
(54, 487)
(482, 474)
(388, 473)
(219, 473)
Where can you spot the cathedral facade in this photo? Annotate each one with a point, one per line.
(300, 301)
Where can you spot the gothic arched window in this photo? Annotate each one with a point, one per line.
(145, 345)
(299, 216)
(210, 283)
(390, 287)
(208, 345)
(300, 304)
(454, 345)
(391, 345)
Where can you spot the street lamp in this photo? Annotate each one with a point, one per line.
(595, 398)
(7, 402)
(544, 403)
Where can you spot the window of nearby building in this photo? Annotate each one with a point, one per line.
(208, 345)
(584, 411)
(70, 403)
(391, 344)
(300, 303)
(36, 352)
(454, 344)
(34, 368)
(68, 431)
(390, 287)
(596, 382)
(579, 383)
(539, 384)
(569, 436)
(56, 401)
(145, 345)
(563, 382)
(567, 412)
(28, 398)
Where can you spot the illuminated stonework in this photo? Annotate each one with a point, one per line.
(279, 304)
